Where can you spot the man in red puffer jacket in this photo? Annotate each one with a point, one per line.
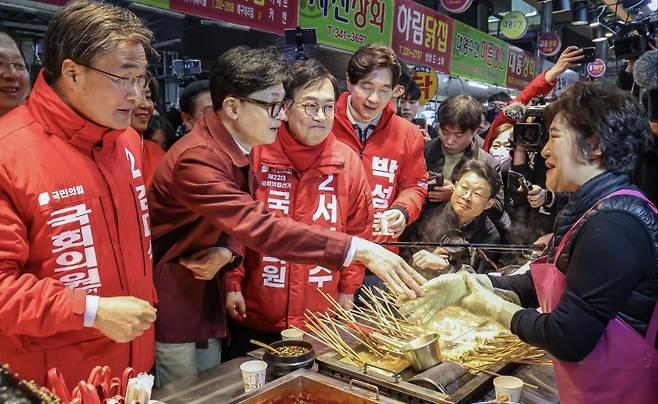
(76, 287)
(390, 147)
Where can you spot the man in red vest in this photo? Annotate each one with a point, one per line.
(76, 287)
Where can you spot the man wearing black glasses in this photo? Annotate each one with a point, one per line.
(76, 282)
(200, 199)
(14, 75)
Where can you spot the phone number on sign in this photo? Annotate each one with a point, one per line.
(339, 33)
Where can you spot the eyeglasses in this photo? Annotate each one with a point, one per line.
(274, 107)
(462, 190)
(124, 82)
(19, 67)
(311, 109)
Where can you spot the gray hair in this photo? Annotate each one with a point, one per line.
(84, 30)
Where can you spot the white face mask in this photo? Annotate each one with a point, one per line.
(503, 157)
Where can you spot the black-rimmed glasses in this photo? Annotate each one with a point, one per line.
(274, 107)
(311, 109)
(19, 67)
(124, 82)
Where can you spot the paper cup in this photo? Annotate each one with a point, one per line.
(508, 388)
(291, 334)
(253, 374)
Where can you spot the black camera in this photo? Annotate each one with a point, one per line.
(630, 48)
(589, 54)
(434, 180)
(530, 132)
(518, 182)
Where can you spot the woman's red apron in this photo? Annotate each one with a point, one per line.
(623, 367)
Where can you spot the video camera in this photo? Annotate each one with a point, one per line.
(529, 130)
(185, 70)
(636, 37)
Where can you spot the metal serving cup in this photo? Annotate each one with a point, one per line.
(422, 352)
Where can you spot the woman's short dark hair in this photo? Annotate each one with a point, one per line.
(606, 118)
(307, 73)
(460, 111)
(242, 70)
(159, 122)
(371, 57)
(486, 172)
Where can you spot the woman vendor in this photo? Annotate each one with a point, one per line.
(597, 285)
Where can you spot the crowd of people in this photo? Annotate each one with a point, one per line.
(130, 238)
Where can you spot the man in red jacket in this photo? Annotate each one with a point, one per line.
(76, 284)
(390, 147)
(200, 198)
(322, 182)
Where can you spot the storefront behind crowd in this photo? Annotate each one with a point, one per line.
(152, 228)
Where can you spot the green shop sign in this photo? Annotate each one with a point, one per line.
(348, 24)
(478, 56)
(155, 3)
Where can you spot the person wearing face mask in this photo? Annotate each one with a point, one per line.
(327, 187)
(14, 75)
(141, 116)
(501, 147)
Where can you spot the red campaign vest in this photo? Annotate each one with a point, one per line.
(83, 205)
(623, 367)
(278, 292)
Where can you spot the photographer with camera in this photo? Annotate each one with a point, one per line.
(524, 193)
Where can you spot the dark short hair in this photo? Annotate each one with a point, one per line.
(159, 122)
(371, 57)
(84, 30)
(411, 91)
(307, 73)
(486, 172)
(190, 93)
(606, 117)
(241, 71)
(460, 111)
(500, 96)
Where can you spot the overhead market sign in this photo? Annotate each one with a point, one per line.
(514, 25)
(348, 24)
(456, 6)
(427, 81)
(422, 36)
(549, 44)
(478, 56)
(521, 68)
(270, 16)
(596, 68)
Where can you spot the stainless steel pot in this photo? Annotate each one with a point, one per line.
(423, 352)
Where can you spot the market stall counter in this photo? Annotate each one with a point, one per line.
(223, 384)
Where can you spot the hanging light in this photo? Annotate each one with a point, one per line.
(579, 13)
(560, 6)
(599, 35)
(593, 17)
